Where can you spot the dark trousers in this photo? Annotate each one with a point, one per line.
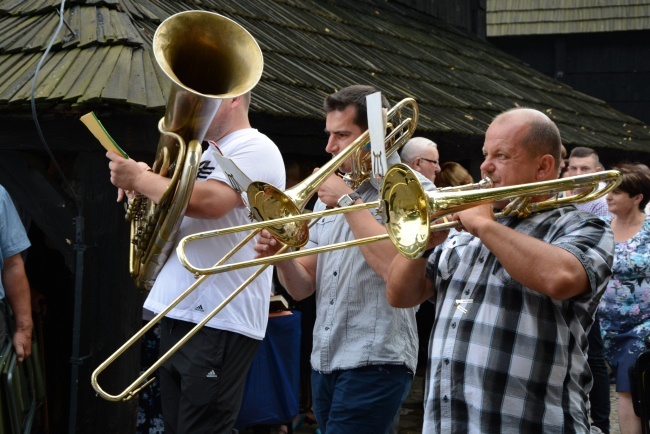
(361, 400)
(202, 384)
(599, 395)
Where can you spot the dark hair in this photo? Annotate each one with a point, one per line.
(636, 180)
(356, 96)
(583, 152)
(452, 174)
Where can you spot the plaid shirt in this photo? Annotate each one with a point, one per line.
(598, 207)
(516, 361)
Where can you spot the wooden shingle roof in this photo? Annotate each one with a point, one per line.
(544, 17)
(103, 57)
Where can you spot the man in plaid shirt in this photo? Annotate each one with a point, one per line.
(514, 299)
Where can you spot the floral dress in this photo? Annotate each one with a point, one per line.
(624, 309)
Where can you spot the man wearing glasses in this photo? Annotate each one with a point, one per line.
(421, 155)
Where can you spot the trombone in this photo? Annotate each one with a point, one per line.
(267, 202)
(283, 208)
(264, 205)
(407, 211)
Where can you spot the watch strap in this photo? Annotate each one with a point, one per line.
(348, 199)
(354, 196)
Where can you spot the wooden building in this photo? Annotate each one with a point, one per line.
(598, 47)
(101, 60)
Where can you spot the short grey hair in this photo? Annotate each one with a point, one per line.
(414, 147)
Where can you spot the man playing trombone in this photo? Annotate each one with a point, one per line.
(202, 384)
(364, 351)
(514, 299)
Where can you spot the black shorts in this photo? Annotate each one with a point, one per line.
(202, 384)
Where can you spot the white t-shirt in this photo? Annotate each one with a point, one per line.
(259, 158)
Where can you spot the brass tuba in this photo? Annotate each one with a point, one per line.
(208, 57)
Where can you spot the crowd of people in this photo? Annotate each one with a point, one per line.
(508, 347)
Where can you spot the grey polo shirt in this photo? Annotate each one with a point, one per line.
(355, 326)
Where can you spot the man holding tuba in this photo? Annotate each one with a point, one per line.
(202, 384)
(364, 351)
(515, 299)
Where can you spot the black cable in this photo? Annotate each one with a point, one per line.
(79, 247)
(35, 116)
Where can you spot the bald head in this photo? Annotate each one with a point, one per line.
(537, 133)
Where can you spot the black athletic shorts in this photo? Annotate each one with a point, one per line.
(202, 384)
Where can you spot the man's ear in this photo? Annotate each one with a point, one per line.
(235, 102)
(547, 167)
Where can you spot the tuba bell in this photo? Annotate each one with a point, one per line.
(208, 58)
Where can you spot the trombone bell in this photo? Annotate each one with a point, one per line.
(404, 210)
(267, 200)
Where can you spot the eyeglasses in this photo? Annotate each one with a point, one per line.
(434, 162)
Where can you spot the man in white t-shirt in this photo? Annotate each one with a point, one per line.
(202, 384)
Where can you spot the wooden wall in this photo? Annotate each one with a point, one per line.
(469, 15)
(614, 67)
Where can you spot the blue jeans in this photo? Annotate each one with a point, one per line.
(362, 400)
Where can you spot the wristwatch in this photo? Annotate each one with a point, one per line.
(348, 199)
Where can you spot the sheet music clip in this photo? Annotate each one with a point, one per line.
(377, 134)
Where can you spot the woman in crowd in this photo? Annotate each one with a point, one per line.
(452, 175)
(625, 307)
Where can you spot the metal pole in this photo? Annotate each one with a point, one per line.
(75, 360)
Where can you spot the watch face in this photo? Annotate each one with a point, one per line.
(345, 200)
(348, 199)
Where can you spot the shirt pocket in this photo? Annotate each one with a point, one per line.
(321, 232)
(450, 259)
